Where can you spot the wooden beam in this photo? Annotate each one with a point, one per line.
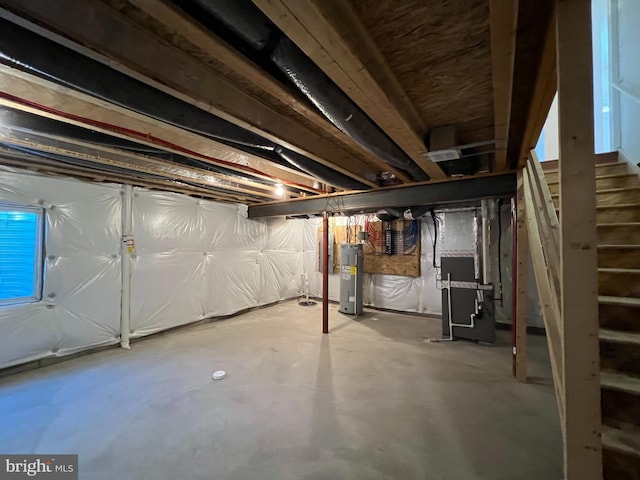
(104, 34)
(544, 91)
(180, 25)
(53, 101)
(331, 34)
(504, 26)
(578, 242)
(522, 261)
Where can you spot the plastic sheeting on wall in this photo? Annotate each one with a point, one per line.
(196, 259)
(504, 307)
(82, 287)
(193, 259)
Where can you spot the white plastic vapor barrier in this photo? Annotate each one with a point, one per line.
(192, 259)
(80, 305)
(196, 259)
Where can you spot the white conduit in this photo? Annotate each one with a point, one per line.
(126, 250)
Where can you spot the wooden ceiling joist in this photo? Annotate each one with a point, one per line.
(177, 24)
(37, 164)
(330, 33)
(114, 158)
(66, 105)
(106, 35)
(504, 26)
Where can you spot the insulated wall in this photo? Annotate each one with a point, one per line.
(196, 259)
(80, 306)
(193, 259)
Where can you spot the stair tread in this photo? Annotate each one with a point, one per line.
(619, 224)
(618, 270)
(599, 165)
(617, 336)
(623, 441)
(601, 177)
(622, 301)
(617, 205)
(620, 382)
(607, 190)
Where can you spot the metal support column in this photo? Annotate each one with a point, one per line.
(325, 272)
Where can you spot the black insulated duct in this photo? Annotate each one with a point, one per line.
(243, 18)
(26, 51)
(339, 109)
(247, 21)
(323, 173)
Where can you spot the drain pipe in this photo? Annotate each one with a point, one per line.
(485, 241)
(514, 284)
(127, 248)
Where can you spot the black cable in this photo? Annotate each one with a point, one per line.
(500, 250)
(435, 240)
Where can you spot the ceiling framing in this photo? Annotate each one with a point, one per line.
(485, 66)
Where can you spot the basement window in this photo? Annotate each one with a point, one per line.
(21, 238)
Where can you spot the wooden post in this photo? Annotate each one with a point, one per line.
(325, 273)
(522, 265)
(578, 242)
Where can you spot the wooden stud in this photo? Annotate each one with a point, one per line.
(578, 242)
(104, 34)
(331, 34)
(522, 259)
(504, 26)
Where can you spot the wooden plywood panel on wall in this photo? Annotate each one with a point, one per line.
(405, 259)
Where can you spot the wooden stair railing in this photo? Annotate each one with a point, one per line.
(544, 242)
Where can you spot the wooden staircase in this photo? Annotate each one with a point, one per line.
(618, 217)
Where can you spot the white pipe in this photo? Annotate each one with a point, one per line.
(485, 242)
(125, 256)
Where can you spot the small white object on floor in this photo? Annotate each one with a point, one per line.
(219, 375)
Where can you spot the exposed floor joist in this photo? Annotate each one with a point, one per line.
(433, 193)
(504, 26)
(112, 157)
(104, 34)
(41, 165)
(176, 24)
(69, 106)
(330, 33)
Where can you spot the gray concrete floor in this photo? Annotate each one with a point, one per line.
(372, 400)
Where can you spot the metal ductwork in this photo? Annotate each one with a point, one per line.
(251, 25)
(24, 50)
(410, 213)
(243, 18)
(326, 174)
